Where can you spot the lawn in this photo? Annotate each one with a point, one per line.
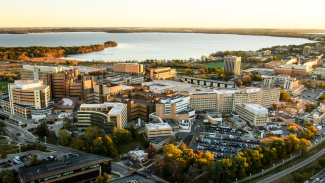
(181, 71)
(215, 64)
(125, 148)
(4, 85)
(148, 163)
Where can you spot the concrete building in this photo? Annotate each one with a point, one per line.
(288, 83)
(307, 50)
(254, 114)
(28, 71)
(105, 116)
(232, 63)
(209, 82)
(25, 96)
(130, 68)
(297, 70)
(162, 73)
(319, 73)
(224, 100)
(76, 168)
(156, 130)
(214, 117)
(160, 142)
(266, 52)
(176, 108)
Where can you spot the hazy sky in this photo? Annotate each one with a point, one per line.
(163, 13)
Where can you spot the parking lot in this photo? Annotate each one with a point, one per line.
(319, 177)
(222, 147)
(310, 95)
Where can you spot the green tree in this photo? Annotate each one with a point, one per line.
(166, 171)
(7, 176)
(64, 137)
(42, 130)
(307, 134)
(77, 143)
(66, 123)
(134, 131)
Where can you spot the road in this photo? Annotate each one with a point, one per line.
(294, 168)
(183, 135)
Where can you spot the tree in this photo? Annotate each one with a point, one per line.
(134, 131)
(239, 82)
(313, 129)
(285, 96)
(100, 179)
(246, 79)
(7, 176)
(66, 123)
(77, 143)
(308, 135)
(105, 177)
(151, 152)
(64, 137)
(183, 146)
(42, 130)
(189, 72)
(166, 170)
(293, 129)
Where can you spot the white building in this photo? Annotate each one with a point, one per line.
(254, 114)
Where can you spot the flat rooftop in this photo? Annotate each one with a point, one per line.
(152, 126)
(136, 177)
(160, 139)
(60, 167)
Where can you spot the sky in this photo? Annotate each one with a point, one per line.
(163, 13)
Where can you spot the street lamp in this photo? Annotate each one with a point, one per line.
(273, 167)
(236, 180)
(283, 162)
(45, 139)
(300, 153)
(262, 172)
(250, 176)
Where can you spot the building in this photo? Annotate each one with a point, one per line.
(25, 96)
(130, 68)
(307, 50)
(137, 177)
(232, 63)
(214, 117)
(254, 114)
(224, 100)
(105, 116)
(319, 73)
(139, 104)
(280, 119)
(28, 71)
(162, 73)
(125, 79)
(266, 52)
(297, 70)
(69, 83)
(156, 130)
(176, 108)
(74, 169)
(208, 82)
(289, 84)
(160, 142)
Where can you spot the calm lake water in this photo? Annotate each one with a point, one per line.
(142, 46)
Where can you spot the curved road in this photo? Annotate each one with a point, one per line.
(293, 168)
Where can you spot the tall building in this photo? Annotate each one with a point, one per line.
(232, 63)
(254, 114)
(28, 72)
(307, 50)
(162, 73)
(289, 84)
(105, 116)
(131, 68)
(25, 96)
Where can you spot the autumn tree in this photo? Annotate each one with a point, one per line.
(64, 137)
(183, 146)
(151, 152)
(293, 129)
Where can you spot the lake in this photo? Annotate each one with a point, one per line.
(142, 46)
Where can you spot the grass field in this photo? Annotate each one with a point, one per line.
(182, 71)
(4, 85)
(216, 64)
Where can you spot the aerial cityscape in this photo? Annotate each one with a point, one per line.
(162, 92)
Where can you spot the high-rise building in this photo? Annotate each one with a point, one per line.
(232, 63)
(307, 50)
(131, 68)
(25, 96)
(162, 73)
(105, 116)
(28, 72)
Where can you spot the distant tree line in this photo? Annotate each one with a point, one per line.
(24, 53)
